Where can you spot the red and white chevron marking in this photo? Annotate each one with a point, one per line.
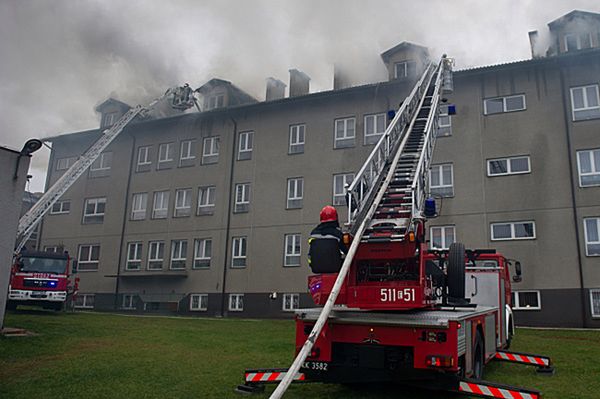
(493, 392)
(270, 376)
(522, 358)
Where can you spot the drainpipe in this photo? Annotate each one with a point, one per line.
(573, 196)
(229, 205)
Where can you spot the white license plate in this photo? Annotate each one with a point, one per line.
(317, 366)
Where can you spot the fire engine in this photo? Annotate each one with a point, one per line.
(394, 310)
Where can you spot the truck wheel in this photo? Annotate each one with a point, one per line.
(10, 305)
(478, 357)
(456, 271)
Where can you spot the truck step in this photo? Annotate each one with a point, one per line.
(486, 389)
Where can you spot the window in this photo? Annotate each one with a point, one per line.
(165, 153)
(138, 206)
(51, 248)
(595, 302)
(93, 210)
(245, 147)
(344, 133)
(65, 163)
(292, 250)
(500, 105)
(128, 301)
(441, 179)
(588, 164)
(592, 236)
(88, 257)
(187, 153)
(210, 150)
(143, 158)
(442, 237)
(297, 139)
(236, 302)
(60, 207)
(84, 301)
(374, 128)
(202, 253)
(340, 183)
(295, 190)
(199, 302)
(290, 302)
(206, 200)
(585, 103)
(156, 251)
(513, 231)
(178, 254)
(134, 256)
(215, 101)
(103, 162)
(508, 166)
(574, 41)
(405, 69)
(444, 122)
(183, 203)
(242, 198)
(526, 300)
(110, 118)
(238, 249)
(161, 205)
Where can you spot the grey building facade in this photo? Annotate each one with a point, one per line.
(208, 213)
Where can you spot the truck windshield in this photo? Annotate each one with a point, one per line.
(44, 265)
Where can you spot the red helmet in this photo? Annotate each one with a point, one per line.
(328, 214)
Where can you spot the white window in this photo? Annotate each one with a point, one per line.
(585, 102)
(442, 237)
(441, 180)
(290, 302)
(513, 231)
(134, 256)
(297, 139)
(245, 147)
(592, 236)
(160, 210)
(110, 118)
(51, 248)
(374, 128)
(500, 105)
(526, 300)
(210, 150)
(65, 163)
(588, 164)
(178, 254)
(187, 152)
(295, 190)
(206, 200)
(84, 301)
(444, 122)
(508, 166)
(138, 206)
(165, 152)
(143, 156)
(183, 202)
(292, 250)
(128, 301)
(595, 302)
(405, 69)
(93, 210)
(88, 257)
(345, 132)
(238, 250)
(60, 207)
(202, 253)
(574, 41)
(340, 183)
(103, 162)
(199, 302)
(236, 302)
(156, 253)
(215, 101)
(242, 197)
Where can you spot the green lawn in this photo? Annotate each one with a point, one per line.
(83, 355)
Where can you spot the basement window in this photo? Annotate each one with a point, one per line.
(236, 302)
(526, 300)
(199, 302)
(592, 236)
(595, 302)
(500, 105)
(84, 301)
(290, 302)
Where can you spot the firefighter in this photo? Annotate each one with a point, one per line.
(326, 244)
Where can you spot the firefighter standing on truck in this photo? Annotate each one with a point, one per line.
(326, 243)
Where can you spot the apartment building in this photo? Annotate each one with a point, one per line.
(208, 213)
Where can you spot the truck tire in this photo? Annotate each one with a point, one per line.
(456, 271)
(10, 305)
(478, 357)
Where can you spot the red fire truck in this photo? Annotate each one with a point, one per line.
(42, 279)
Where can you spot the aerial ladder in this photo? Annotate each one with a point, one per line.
(181, 98)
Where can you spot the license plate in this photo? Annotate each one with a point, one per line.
(38, 295)
(317, 366)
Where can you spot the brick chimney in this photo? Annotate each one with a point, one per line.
(275, 89)
(299, 83)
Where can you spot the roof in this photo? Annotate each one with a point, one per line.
(112, 101)
(9, 149)
(404, 45)
(571, 16)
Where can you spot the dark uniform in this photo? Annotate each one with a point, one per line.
(326, 245)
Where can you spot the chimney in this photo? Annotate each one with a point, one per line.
(533, 42)
(340, 79)
(275, 89)
(299, 83)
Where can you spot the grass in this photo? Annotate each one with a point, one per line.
(89, 355)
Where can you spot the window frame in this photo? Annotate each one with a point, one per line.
(68, 160)
(163, 200)
(128, 302)
(406, 68)
(139, 247)
(442, 185)
(209, 207)
(243, 205)
(593, 165)
(504, 108)
(586, 106)
(135, 210)
(89, 259)
(146, 151)
(239, 244)
(297, 239)
(586, 234)
(97, 201)
(516, 300)
(236, 303)
(185, 210)
(85, 304)
(61, 211)
(293, 297)
(443, 229)
(200, 246)
(295, 201)
(160, 243)
(212, 156)
(340, 143)
(179, 246)
(170, 152)
(578, 40)
(376, 135)
(190, 150)
(592, 292)
(296, 130)
(512, 230)
(245, 153)
(336, 197)
(199, 308)
(508, 166)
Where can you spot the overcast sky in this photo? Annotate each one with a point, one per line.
(61, 58)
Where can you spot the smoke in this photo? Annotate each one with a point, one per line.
(61, 58)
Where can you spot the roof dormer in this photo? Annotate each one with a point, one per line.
(219, 93)
(111, 111)
(577, 30)
(405, 61)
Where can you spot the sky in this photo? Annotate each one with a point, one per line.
(61, 58)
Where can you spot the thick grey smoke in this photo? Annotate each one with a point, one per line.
(60, 58)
